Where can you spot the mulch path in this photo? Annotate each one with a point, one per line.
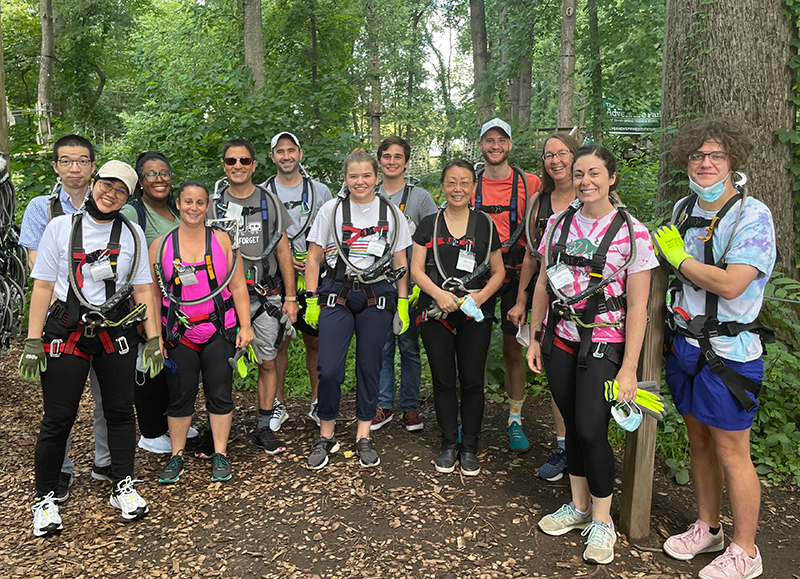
(275, 519)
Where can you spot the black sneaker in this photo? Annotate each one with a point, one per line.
(469, 463)
(446, 462)
(319, 456)
(267, 440)
(204, 447)
(65, 481)
(102, 473)
(367, 455)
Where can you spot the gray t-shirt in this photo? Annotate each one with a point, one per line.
(253, 234)
(419, 204)
(292, 198)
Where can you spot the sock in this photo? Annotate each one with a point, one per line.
(515, 411)
(263, 418)
(561, 442)
(580, 512)
(713, 530)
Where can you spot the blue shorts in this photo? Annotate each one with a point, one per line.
(703, 394)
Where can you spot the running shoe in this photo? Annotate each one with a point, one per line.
(267, 440)
(518, 442)
(221, 469)
(383, 416)
(319, 456)
(734, 563)
(172, 470)
(279, 415)
(555, 467)
(312, 413)
(564, 520)
(600, 542)
(159, 445)
(412, 420)
(126, 499)
(193, 433)
(446, 461)
(65, 481)
(698, 539)
(367, 455)
(46, 520)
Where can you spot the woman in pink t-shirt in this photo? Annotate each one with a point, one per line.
(589, 245)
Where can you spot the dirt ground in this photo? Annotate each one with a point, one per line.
(275, 519)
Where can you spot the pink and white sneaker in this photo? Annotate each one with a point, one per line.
(696, 540)
(734, 563)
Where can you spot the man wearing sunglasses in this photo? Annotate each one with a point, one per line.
(73, 163)
(257, 221)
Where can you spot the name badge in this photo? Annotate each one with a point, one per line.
(559, 275)
(466, 261)
(233, 211)
(101, 270)
(186, 275)
(376, 247)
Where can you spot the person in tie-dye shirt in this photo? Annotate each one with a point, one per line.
(717, 422)
(579, 389)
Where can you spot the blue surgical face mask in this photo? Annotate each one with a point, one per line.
(629, 420)
(712, 192)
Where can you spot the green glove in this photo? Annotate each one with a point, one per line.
(401, 321)
(312, 312)
(669, 243)
(649, 401)
(33, 360)
(413, 299)
(152, 357)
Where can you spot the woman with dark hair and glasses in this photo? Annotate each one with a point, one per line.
(457, 259)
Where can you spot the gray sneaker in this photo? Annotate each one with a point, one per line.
(221, 468)
(564, 520)
(319, 456)
(65, 481)
(367, 455)
(600, 544)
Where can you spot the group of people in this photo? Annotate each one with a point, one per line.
(239, 270)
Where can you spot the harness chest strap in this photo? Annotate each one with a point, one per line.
(351, 234)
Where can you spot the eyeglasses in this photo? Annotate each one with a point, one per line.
(106, 187)
(231, 161)
(152, 175)
(65, 162)
(716, 157)
(561, 155)
(460, 184)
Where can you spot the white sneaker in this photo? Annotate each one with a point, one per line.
(192, 433)
(160, 445)
(279, 416)
(46, 519)
(312, 414)
(126, 499)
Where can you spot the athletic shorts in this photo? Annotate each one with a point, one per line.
(265, 329)
(508, 299)
(703, 394)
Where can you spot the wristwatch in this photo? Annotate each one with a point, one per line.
(538, 335)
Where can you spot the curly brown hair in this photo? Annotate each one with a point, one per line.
(692, 136)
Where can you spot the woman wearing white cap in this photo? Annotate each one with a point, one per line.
(95, 265)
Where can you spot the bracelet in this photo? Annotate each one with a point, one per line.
(290, 299)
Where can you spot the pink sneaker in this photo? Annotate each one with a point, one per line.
(734, 563)
(694, 541)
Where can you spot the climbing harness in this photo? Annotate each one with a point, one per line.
(307, 203)
(544, 206)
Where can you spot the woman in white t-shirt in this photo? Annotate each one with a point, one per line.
(93, 320)
(349, 300)
(592, 254)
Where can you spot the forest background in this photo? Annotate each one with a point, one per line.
(183, 76)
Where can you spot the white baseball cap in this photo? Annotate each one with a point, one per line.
(119, 170)
(277, 138)
(496, 123)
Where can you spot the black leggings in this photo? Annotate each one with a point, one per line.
(464, 349)
(212, 359)
(579, 395)
(151, 397)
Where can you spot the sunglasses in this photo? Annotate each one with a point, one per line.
(231, 161)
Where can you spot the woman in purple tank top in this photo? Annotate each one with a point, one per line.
(193, 261)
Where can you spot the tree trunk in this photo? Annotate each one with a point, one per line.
(412, 59)
(44, 106)
(313, 11)
(525, 80)
(596, 83)
(566, 80)
(253, 41)
(484, 105)
(373, 25)
(717, 64)
(4, 140)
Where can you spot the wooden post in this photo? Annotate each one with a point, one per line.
(640, 446)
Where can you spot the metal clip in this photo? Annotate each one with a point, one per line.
(56, 348)
(88, 330)
(332, 300)
(122, 345)
(381, 305)
(709, 230)
(597, 351)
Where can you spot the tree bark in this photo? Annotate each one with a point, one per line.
(717, 64)
(313, 23)
(253, 35)
(44, 106)
(373, 25)
(525, 82)
(480, 61)
(566, 80)
(596, 73)
(4, 140)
